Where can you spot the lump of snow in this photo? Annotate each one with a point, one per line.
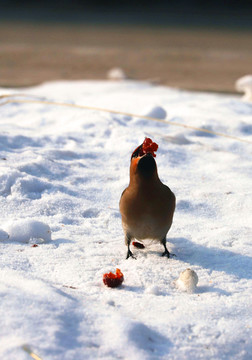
(244, 84)
(116, 74)
(179, 139)
(29, 231)
(157, 112)
(153, 289)
(187, 281)
(3, 235)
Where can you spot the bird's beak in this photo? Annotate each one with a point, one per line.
(138, 153)
(136, 156)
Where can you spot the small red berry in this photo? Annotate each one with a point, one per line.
(149, 146)
(113, 280)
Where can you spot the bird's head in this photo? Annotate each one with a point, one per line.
(143, 163)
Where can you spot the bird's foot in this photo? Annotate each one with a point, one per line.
(168, 254)
(130, 254)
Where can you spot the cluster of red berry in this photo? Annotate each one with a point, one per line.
(113, 280)
(149, 147)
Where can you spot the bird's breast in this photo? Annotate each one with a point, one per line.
(146, 218)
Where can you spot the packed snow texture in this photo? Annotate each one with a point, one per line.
(62, 171)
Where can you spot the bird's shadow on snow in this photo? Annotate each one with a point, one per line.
(213, 258)
(207, 289)
(149, 340)
(69, 327)
(68, 334)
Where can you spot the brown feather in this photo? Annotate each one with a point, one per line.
(147, 205)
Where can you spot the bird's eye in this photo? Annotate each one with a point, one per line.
(137, 152)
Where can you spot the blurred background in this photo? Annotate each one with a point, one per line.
(190, 44)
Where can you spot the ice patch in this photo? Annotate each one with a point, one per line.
(29, 230)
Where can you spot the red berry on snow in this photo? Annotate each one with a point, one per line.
(113, 280)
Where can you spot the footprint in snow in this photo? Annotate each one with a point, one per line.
(30, 187)
(7, 180)
(90, 213)
(147, 339)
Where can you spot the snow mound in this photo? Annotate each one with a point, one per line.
(187, 281)
(179, 139)
(152, 289)
(116, 74)
(157, 112)
(29, 231)
(244, 84)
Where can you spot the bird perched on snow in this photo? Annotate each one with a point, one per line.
(146, 205)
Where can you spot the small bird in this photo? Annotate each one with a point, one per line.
(146, 205)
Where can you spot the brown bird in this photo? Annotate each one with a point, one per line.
(146, 205)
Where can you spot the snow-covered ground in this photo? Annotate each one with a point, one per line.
(62, 171)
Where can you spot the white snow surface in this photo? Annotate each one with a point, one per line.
(66, 167)
(29, 231)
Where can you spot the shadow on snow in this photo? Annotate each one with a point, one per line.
(214, 259)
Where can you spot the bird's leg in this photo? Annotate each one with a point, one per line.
(166, 252)
(128, 240)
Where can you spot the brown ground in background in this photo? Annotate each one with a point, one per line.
(191, 59)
